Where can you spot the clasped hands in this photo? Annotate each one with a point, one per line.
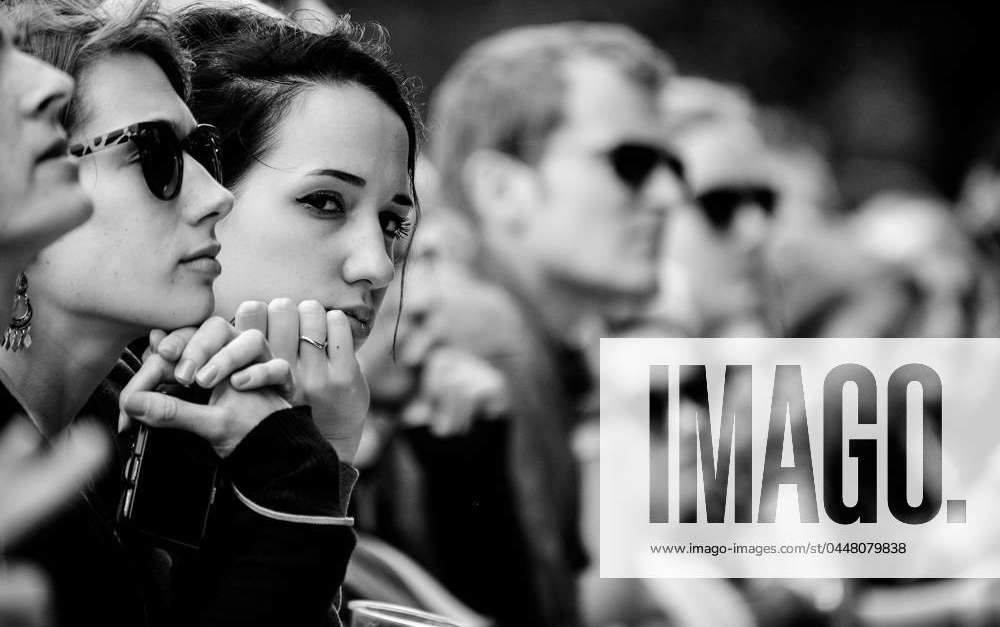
(254, 367)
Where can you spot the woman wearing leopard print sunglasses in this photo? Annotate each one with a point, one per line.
(147, 259)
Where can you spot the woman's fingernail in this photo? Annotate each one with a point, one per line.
(206, 376)
(184, 373)
(240, 379)
(169, 350)
(133, 406)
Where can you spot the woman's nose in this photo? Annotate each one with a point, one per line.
(368, 259)
(50, 88)
(206, 199)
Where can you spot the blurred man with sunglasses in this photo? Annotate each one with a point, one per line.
(549, 140)
(717, 245)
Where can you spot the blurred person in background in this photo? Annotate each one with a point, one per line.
(978, 205)
(715, 274)
(435, 477)
(798, 158)
(948, 289)
(549, 140)
(978, 208)
(752, 177)
(440, 402)
(40, 200)
(407, 383)
(901, 266)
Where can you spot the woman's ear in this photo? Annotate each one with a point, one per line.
(502, 189)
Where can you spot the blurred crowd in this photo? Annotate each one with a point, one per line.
(574, 184)
(753, 239)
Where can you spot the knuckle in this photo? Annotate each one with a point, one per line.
(169, 410)
(170, 345)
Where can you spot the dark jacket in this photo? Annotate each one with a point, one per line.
(275, 556)
(500, 503)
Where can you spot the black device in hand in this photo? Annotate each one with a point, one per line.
(171, 480)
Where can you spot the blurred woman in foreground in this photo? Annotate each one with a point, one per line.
(40, 199)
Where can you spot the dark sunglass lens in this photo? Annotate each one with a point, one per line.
(633, 163)
(766, 199)
(160, 155)
(674, 163)
(719, 206)
(204, 145)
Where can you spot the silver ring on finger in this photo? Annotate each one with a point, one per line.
(320, 345)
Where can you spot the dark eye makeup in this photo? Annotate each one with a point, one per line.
(329, 204)
(324, 204)
(394, 225)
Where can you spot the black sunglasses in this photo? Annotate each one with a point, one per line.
(161, 153)
(720, 204)
(634, 162)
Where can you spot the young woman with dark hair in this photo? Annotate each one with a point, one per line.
(147, 259)
(320, 139)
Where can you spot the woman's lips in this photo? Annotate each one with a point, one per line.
(203, 259)
(61, 170)
(360, 318)
(205, 265)
(360, 330)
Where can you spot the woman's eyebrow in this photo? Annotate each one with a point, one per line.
(347, 177)
(353, 179)
(181, 129)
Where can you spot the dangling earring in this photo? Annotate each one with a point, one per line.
(18, 334)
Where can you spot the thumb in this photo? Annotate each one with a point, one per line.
(160, 411)
(154, 370)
